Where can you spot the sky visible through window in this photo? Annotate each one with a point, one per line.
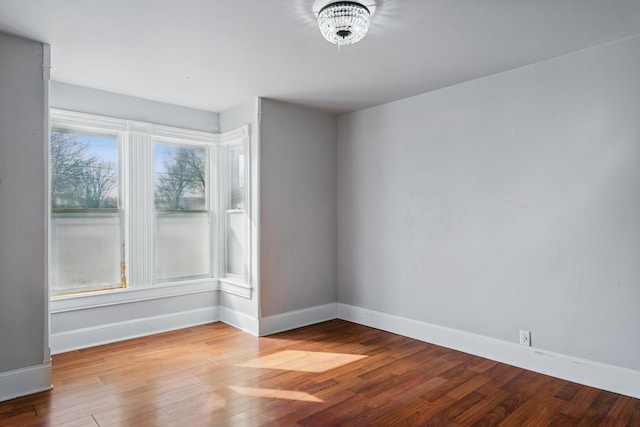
(161, 154)
(84, 169)
(103, 148)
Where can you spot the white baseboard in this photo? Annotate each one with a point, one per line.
(595, 374)
(239, 320)
(25, 381)
(298, 318)
(119, 331)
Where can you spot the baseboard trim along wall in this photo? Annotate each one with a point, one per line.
(298, 318)
(595, 374)
(25, 381)
(119, 331)
(239, 320)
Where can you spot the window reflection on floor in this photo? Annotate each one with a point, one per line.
(306, 361)
(276, 394)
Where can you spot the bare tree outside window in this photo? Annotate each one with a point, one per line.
(80, 176)
(182, 225)
(99, 182)
(87, 247)
(180, 180)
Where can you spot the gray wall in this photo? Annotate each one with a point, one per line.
(509, 202)
(93, 101)
(298, 208)
(22, 203)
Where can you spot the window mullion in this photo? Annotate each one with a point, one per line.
(141, 215)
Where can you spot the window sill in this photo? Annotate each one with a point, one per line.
(235, 287)
(83, 301)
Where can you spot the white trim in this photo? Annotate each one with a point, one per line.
(232, 136)
(142, 128)
(46, 75)
(85, 301)
(253, 209)
(595, 374)
(122, 125)
(25, 381)
(239, 320)
(167, 132)
(138, 209)
(119, 331)
(87, 120)
(229, 141)
(235, 288)
(298, 318)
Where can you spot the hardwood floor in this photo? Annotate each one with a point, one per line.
(331, 374)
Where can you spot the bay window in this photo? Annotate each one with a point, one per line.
(138, 205)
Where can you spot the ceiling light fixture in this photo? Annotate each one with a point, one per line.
(344, 22)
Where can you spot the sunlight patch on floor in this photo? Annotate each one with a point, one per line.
(276, 394)
(305, 361)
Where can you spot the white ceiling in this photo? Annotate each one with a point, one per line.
(215, 54)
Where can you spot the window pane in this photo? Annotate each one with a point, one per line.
(182, 239)
(84, 170)
(237, 179)
(180, 177)
(85, 251)
(182, 245)
(235, 216)
(235, 243)
(86, 234)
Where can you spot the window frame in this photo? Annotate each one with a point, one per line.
(210, 195)
(236, 284)
(73, 123)
(141, 136)
(227, 209)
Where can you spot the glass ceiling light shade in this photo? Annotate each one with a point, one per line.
(344, 22)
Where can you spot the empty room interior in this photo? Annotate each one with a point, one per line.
(319, 212)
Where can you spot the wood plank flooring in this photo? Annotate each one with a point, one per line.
(332, 374)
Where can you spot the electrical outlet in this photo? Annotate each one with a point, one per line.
(525, 337)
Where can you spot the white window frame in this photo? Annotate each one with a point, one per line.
(210, 201)
(76, 123)
(230, 283)
(138, 139)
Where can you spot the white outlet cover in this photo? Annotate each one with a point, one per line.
(525, 337)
